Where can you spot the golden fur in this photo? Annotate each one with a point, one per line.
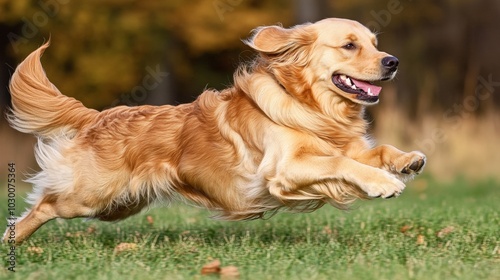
(284, 136)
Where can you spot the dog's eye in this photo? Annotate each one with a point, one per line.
(349, 46)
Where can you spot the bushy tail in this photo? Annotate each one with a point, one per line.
(38, 107)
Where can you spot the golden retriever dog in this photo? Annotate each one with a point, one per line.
(289, 134)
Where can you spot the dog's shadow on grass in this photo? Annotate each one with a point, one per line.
(214, 235)
(267, 232)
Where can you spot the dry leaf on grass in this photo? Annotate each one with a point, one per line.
(150, 220)
(229, 272)
(125, 247)
(405, 228)
(35, 250)
(327, 230)
(91, 229)
(214, 267)
(75, 234)
(420, 239)
(445, 231)
(211, 267)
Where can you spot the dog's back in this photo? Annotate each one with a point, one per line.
(112, 164)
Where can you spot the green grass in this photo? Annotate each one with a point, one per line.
(363, 243)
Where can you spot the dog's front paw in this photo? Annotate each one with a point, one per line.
(385, 186)
(411, 163)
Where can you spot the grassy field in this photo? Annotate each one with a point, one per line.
(433, 231)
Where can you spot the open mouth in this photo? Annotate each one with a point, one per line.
(364, 90)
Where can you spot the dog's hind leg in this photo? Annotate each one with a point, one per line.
(23, 227)
(49, 207)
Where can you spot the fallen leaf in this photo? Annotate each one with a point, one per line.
(150, 220)
(125, 247)
(211, 267)
(91, 229)
(405, 228)
(445, 231)
(75, 234)
(327, 230)
(497, 250)
(193, 250)
(420, 239)
(229, 272)
(35, 250)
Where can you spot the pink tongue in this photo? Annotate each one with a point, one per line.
(374, 90)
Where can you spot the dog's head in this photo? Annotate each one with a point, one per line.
(331, 56)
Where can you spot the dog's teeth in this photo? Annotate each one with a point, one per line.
(354, 87)
(343, 77)
(369, 92)
(348, 82)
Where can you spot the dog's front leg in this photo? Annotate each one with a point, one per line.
(299, 174)
(404, 165)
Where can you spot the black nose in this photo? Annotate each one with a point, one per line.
(390, 63)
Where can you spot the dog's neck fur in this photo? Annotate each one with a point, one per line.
(327, 121)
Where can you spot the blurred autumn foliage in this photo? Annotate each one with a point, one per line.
(101, 49)
(116, 52)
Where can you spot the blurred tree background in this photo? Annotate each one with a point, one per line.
(443, 101)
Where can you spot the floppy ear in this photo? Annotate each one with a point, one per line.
(269, 39)
(275, 39)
